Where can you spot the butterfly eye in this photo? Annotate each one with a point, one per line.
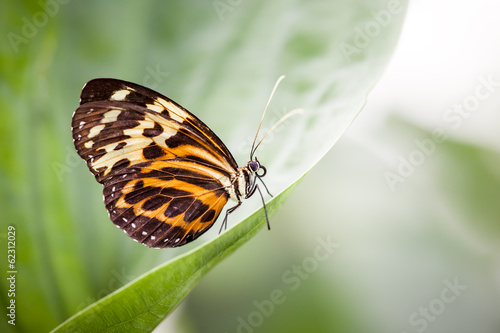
(254, 166)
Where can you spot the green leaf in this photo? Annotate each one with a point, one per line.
(220, 60)
(142, 305)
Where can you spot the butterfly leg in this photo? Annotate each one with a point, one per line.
(229, 211)
(265, 187)
(252, 191)
(264, 204)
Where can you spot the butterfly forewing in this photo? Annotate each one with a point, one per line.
(166, 175)
(112, 90)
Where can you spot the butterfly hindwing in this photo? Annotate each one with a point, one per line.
(161, 204)
(166, 175)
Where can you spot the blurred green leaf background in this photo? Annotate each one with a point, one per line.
(418, 253)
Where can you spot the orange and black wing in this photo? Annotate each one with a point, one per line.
(166, 175)
(164, 203)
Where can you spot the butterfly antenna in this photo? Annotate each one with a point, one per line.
(252, 151)
(285, 117)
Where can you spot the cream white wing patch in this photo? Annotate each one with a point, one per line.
(120, 95)
(175, 112)
(111, 116)
(116, 137)
(95, 130)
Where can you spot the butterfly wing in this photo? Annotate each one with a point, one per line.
(116, 115)
(166, 175)
(164, 203)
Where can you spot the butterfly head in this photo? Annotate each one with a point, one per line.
(254, 167)
(254, 170)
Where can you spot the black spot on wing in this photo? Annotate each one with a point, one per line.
(142, 227)
(204, 183)
(182, 137)
(173, 192)
(121, 164)
(153, 151)
(196, 210)
(177, 236)
(158, 236)
(123, 216)
(155, 131)
(138, 98)
(190, 236)
(156, 202)
(195, 178)
(140, 193)
(131, 119)
(120, 145)
(178, 206)
(208, 216)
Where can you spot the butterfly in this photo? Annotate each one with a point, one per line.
(166, 175)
